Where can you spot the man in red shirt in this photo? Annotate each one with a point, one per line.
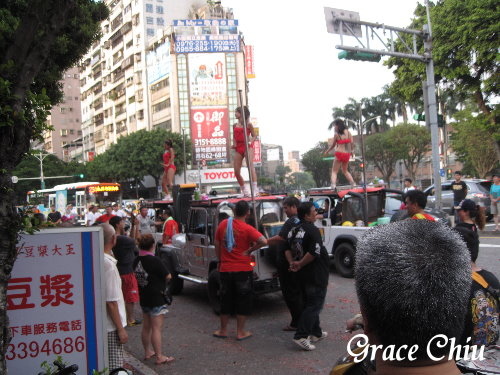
(415, 201)
(235, 240)
(170, 227)
(108, 215)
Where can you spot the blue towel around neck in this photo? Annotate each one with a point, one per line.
(229, 235)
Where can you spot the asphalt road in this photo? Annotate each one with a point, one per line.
(190, 323)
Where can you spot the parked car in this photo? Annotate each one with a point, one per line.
(477, 189)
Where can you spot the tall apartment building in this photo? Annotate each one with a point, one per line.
(113, 73)
(272, 157)
(65, 118)
(294, 162)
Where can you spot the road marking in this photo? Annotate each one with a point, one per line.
(488, 245)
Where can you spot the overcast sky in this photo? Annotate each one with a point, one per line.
(299, 78)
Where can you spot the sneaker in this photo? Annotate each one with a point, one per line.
(305, 343)
(313, 338)
(134, 323)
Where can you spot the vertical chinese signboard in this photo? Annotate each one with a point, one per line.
(208, 102)
(54, 301)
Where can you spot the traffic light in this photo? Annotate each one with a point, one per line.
(448, 174)
(361, 165)
(81, 175)
(359, 56)
(421, 117)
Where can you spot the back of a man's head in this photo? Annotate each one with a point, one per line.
(241, 208)
(413, 281)
(109, 235)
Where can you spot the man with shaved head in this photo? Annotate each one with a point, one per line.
(413, 280)
(115, 304)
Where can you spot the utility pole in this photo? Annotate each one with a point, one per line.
(41, 156)
(351, 26)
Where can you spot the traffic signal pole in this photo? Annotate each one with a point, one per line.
(346, 26)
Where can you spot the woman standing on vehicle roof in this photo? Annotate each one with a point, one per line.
(169, 168)
(240, 149)
(342, 142)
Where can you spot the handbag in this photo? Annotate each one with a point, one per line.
(167, 295)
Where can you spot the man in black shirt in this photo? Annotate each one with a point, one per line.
(289, 283)
(125, 253)
(308, 257)
(459, 189)
(54, 216)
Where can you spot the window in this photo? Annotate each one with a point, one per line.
(150, 20)
(62, 109)
(149, 8)
(159, 9)
(161, 106)
(71, 131)
(150, 32)
(79, 132)
(160, 21)
(64, 132)
(198, 222)
(64, 143)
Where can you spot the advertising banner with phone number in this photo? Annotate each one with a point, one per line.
(210, 134)
(55, 302)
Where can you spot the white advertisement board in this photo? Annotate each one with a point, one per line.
(55, 302)
(212, 176)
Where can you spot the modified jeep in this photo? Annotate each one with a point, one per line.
(347, 215)
(191, 255)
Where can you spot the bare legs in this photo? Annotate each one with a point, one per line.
(167, 180)
(151, 338)
(496, 219)
(129, 309)
(241, 333)
(237, 163)
(335, 170)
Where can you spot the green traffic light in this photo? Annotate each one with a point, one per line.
(359, 56)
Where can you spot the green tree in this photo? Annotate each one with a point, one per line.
(383, 151)
(415, 141)
(40, 39)
(320, 169)
(137, 155)
(465, 50)
(29, 167)
(473, 144)
(300, 181)
(281, 171)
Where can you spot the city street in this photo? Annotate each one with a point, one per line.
(190, 323)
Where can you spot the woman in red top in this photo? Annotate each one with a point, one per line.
(169, 168)
(239, 147)
(342, 142)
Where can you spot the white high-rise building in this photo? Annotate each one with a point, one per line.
(113, 72)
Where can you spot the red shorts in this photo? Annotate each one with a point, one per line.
(343, 157)
(130, 288)
(240, 148)
(171, 166)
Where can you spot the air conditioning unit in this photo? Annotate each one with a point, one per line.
(107, 44)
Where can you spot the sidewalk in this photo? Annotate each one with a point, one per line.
(136, 366)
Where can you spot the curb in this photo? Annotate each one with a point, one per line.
(136, 366)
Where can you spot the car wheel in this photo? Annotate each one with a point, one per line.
(344, 259)
(176, 285)
(214, 290)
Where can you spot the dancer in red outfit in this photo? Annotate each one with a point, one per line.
(342, 142)
(239, 147)
(169, 168)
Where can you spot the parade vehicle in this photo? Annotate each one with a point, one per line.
(79, 194)
(191, 256)
(349, 212)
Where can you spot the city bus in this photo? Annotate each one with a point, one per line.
(79, 194)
